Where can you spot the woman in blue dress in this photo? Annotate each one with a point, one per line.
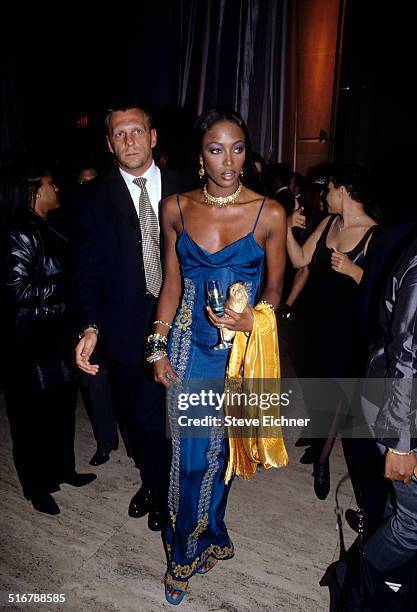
(224, 232)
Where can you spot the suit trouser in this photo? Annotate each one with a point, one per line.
(140, 402)
(395, 542)
(97, 396)
(42, 426)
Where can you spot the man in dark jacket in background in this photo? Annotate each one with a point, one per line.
(394, 358)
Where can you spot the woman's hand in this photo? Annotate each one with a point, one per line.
(342, 264)
(296, 218)
(163, 372)
(232, 320)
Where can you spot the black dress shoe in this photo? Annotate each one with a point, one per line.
(321, 475)
(155, 519)
(302, 442)
(352, 519)
(99, 458)
(141, 503)
(44, 502)
(310, 455)
(79, 480)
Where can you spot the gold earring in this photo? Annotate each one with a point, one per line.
(241, 173)
(201, 170)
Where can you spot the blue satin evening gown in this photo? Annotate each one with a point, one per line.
(197, 493)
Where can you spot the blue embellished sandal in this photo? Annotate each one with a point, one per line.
(177, 585)
(207, 565)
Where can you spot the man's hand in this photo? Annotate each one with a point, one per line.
(83, 352)
(400, 467)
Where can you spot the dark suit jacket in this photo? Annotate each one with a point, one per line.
(286, 199)
(108, 273)
(383, 253)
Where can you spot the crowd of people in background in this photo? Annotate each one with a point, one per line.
(80, 273)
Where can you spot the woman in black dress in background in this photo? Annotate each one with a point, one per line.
(332, 344)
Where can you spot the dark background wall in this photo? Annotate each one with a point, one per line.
(59, 65)
(377, 116)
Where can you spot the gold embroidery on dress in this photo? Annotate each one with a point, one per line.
(180, 344)
(173, 520)
(184, 319)
(183, 571)
(201, 526)
(206, 488)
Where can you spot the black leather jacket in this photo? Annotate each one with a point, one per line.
(394, 356)
(35, 289)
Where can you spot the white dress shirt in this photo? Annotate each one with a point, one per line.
(153, 187)
(281, 189)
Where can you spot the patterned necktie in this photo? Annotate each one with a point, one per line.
(150, 240)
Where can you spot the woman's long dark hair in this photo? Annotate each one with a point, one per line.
(221, 113)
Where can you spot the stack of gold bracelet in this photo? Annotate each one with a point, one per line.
(156, 345)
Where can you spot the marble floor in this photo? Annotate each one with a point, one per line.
(103, 561)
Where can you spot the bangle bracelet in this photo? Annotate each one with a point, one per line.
(400, 453)
(155, 344)
(157, 338)
(163, 323)
(156, 356)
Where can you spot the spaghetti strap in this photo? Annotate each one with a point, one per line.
(179, 206)
(363, 242)
(323, 237)
(259, 214)
(369, 232)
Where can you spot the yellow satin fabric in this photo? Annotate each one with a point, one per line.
(254, 358)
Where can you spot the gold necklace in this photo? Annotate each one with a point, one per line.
(221, 201)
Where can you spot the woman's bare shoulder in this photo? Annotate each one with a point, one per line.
(186, 198)
(274, 211)
(182, 197)
(169, 206)
(324, 221)
(252, 196)
(194, 195)
(173, 204)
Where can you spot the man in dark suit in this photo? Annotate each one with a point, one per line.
(278, 177)
(117, 277)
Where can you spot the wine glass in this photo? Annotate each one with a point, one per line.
(216, 299)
